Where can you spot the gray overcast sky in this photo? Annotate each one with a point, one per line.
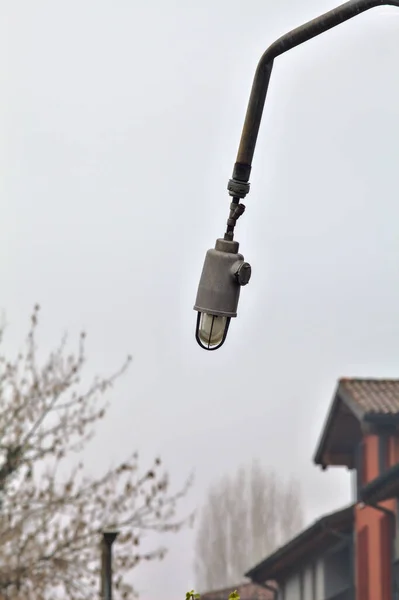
(120, 124)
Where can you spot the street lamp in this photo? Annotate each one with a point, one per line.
(225, 270)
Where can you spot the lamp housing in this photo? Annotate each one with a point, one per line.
(223, 274)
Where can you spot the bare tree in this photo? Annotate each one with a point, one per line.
(50, 524)
(244, 519)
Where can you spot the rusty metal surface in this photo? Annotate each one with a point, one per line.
(260, 85)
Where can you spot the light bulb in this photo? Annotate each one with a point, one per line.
(212, 329)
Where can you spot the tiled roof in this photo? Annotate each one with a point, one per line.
(379, 396)
(247, 591)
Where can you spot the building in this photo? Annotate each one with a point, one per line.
(352, 554)
(316, 564)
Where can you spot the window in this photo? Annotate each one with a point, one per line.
(338, 572)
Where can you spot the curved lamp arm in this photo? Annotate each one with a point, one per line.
(238, 186)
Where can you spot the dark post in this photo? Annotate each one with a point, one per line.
(106, 564)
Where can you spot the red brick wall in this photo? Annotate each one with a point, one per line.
(374, 530)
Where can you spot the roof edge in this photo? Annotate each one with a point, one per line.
(318, 526)
(340, 395)
(325, 429)
(346, 398)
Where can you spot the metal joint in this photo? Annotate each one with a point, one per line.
(238, 189)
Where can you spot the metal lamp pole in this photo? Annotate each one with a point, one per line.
(225, 270)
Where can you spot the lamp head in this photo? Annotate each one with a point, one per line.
(109, 536)
(223, 274)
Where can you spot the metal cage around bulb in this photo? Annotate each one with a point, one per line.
(206, 336)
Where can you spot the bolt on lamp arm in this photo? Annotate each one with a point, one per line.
(238, 185)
